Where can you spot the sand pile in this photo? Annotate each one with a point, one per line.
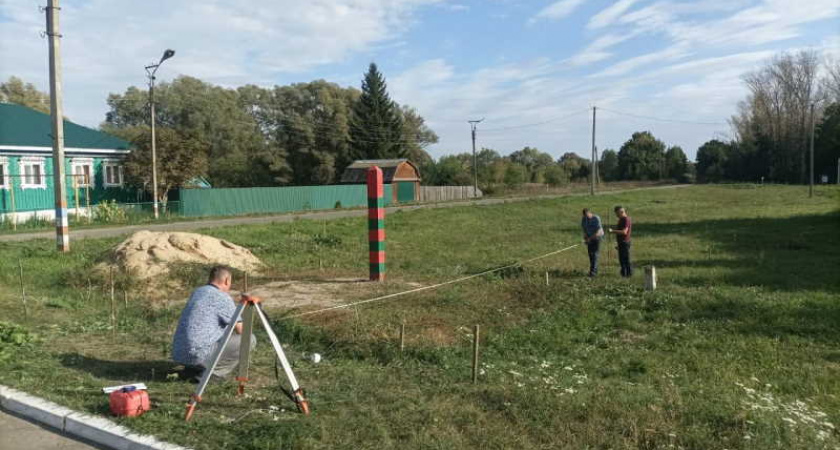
(147, 254)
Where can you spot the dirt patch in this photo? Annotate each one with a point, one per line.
(148, 254)
(321, 294)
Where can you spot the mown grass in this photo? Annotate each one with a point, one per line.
(738, 348)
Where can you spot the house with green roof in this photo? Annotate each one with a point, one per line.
(93, 166)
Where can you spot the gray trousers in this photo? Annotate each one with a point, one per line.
(229, 359)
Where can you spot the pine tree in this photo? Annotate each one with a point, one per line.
(376, 122)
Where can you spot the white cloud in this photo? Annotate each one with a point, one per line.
(652, 59)
(106, 43)
(610, 14)
(597, 50)
(558, 10)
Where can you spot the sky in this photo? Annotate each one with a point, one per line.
(533, 70)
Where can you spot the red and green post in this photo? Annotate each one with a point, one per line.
(376, 223)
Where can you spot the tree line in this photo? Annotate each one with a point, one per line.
(642, 157)
(772, 129)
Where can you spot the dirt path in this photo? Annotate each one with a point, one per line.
(319, 215)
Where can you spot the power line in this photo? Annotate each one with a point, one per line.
(556, 119)
(659, 119)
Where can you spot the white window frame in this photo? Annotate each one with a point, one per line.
(4, 180)
(116, 166)
(83, 162)
(32, 161)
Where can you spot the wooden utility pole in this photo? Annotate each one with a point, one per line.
(811, 184)
(62, 233)
(473, 124)
(592, 171)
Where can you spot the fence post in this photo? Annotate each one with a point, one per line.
(402, 337)
(12, 199)
(376, 224)
(475, 355)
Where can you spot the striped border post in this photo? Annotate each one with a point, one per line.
(376, 223)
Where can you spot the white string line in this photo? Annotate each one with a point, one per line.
(425, 288)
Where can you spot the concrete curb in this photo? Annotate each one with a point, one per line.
(83, 426)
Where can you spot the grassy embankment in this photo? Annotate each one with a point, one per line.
(738, 348)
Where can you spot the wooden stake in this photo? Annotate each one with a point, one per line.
(546, 278)
(475, 355)
(402, 337)
(125, 299)
(23, 291)
(113, 302)
(246, 282)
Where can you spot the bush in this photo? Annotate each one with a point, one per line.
(109, 211)
(13, 337)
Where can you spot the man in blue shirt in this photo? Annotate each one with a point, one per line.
(202, 324)
(592, 233)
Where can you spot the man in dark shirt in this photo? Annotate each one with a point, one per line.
(592, 232)
(622, 232)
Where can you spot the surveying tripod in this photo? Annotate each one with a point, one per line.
(248, 307)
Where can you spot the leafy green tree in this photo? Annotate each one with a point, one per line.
(711, 161)
(641, 157)
(608, 166)
(575, 166)
(515, 174)
(534, 161)
(827, 143)
(416, 135)
(25, 94)
(210, 114)
(376, 125)
(676, 164)
(489, 172)
(180, 158)
(555, 175)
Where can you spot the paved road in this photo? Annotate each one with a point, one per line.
(20, 434)
(320, 215)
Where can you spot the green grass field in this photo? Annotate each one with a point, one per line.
(739, 348)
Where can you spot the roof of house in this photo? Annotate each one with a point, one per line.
(24, 127)
(356, 173)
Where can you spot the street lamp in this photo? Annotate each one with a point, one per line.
(150, 72)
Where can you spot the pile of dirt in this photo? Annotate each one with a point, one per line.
(147, 254)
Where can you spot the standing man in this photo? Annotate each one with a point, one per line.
(622, 232)
(202, 324)
(592, 233)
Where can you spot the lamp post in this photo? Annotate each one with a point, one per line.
(150, 72)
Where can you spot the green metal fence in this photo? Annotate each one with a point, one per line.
(240, 201)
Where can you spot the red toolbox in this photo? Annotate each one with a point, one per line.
(129, 402)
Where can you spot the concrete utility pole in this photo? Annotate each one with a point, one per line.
(593, 170)
(150, 72)
(62, 231)
(473, 124)
(811, 185)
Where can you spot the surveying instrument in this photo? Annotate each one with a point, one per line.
(248, 307)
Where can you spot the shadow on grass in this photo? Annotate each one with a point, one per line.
(815, 320)
(794, 253)
(134, 371)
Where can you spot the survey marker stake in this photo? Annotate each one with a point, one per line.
(248, 307)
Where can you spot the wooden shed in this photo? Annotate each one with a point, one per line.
(401, 174)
